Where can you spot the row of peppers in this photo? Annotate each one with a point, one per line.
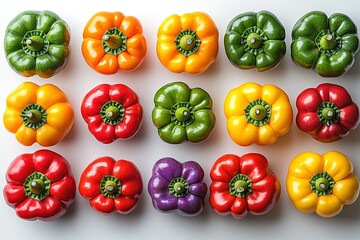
(38, 42)
(255, 114)
(40, 186)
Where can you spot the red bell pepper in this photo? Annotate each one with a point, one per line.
(40, 186)
(112, 112)
(243, 184)
(326, 112)
(111, 186)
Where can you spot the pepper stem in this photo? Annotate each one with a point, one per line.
(182, 114)
(328, 41)
(35, 43)
(37, 186)
(112, 112)
(114, 41)
(33, 116)
(187, 42)
(178, 187)
(322, 183)
(110, 186)
(258, 112)
(240, 186)
(254, 40)
(328, 113)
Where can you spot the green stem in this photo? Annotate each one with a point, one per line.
(328, 42)
(258, 112)
(33, 116)
(178, 187)
(114, 41)
(35, 43)
(322, 183)
(240, 186)
(328, 113)
(187, 42)
(182, 114)
(252, 39)
(37, 186)
(112, 112)
(110, 186)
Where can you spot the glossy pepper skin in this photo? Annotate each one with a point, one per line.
(112, 112)
(255, 40)
(37, 42)
(322, 183)
(182, 113)
(177, 187)
(40, 186)
(242, 185)
(113, 42)
(111, 186)
(187, 43)
(257, 114)
(327, 45)
(38, 114)
(326, 112)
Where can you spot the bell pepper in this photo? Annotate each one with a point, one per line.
(177, 187)
(326, 112)
(327, 45)
(37, 42)
(112, 112)
(111, 186)
(255, 40)
(257, 114)
(322, 183)
(39, 114)
(40, 185)
(113, 42)
(187, 43)
(242, 185)
(182, 113)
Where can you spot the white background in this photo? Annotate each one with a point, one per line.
(80, 147)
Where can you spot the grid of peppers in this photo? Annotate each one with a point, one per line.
(41, 185)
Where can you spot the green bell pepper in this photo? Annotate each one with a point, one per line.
(255, 40)
(182, 113)
(37, 43)
(327, 45)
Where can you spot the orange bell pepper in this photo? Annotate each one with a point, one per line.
(112, 42)
(187, 43)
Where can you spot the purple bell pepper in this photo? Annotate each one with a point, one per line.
(177, 187)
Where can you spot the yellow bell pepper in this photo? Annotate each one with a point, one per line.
(322, 183)
(39, 114)
(187, 43)
(257, 114)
